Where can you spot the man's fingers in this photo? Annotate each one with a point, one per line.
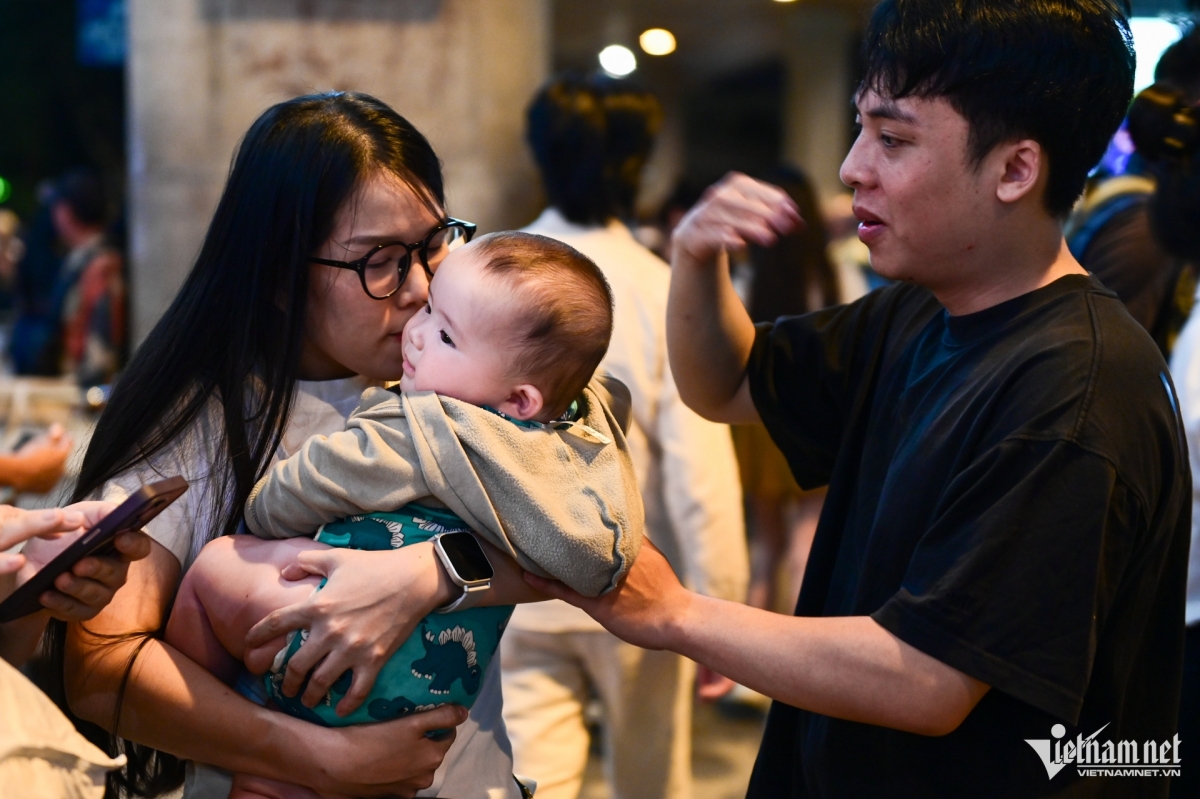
(739, 200)
(738, 225)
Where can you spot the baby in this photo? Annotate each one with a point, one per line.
(496, 428)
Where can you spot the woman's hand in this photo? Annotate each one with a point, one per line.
(371, 603)
(36, 467)
(82, 592)
(89, 585)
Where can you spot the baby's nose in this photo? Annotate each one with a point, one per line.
(415, 337)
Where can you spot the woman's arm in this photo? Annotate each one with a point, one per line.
(172, 704)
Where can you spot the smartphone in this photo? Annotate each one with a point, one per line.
(142, 506)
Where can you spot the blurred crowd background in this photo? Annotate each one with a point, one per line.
(120, 118)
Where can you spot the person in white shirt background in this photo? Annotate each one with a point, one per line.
(590, 137)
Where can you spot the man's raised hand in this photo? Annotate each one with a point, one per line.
(733, 213)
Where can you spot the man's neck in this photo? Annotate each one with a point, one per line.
(1018, 263)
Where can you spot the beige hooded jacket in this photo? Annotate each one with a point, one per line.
(561, 499)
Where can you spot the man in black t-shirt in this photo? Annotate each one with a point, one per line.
(993, 605)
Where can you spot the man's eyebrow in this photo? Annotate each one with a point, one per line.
(889, 110)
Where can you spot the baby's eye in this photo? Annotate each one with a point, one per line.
(445, 338)
(428, 308)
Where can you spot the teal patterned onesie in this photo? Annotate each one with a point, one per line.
(442, 662)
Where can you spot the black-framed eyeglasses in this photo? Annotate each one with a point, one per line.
(384, 269)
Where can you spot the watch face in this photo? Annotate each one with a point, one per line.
(467, 556)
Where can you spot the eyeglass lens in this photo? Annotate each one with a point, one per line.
(384, 268)
(442, 243)
(387, 268)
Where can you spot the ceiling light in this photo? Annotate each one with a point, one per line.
(618, 60)
(657, 41)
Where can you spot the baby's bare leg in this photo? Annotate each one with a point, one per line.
(234, 583)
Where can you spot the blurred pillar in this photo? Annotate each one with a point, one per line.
(819, 49)
(200, 71)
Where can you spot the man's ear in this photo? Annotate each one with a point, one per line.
(1024, 169)
(524, 403)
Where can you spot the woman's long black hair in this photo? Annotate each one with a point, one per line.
(795, 275)
(235, 332)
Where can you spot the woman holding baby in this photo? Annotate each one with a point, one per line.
(272, 339)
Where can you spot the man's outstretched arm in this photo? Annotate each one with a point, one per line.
(709, 333)
(846, 667)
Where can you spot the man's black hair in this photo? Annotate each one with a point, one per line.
(1057, 71)
(1179, 66)
(590, 136)
(82, 191)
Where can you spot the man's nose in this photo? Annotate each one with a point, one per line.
(854, 171)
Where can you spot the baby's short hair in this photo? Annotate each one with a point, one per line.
(564, 328)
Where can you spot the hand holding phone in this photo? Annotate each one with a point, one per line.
(131, 515)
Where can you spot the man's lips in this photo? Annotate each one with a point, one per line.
(865, 217)
(869, 225)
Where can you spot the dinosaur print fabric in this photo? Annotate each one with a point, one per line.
(442, 662)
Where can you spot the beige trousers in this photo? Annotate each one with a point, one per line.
(647, 701)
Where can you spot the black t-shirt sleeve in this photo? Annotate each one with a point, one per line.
(1013, 581)
(803, 372)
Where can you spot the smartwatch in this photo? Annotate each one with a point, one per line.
(467, 566)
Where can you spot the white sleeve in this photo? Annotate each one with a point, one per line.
(188, 523)
(703, 496)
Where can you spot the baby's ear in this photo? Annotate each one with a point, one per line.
(524, 403)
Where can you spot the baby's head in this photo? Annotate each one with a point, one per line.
(515, 321)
